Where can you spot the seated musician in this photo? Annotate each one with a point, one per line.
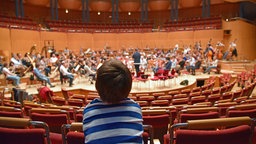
(91, 73)
(26, 61)
(19, 67)
(191, 64)
(44, 63)
(41, 76)
(175, 65)
(65, 74)
(168, 63)
(213, 65)
(52, 61)
(144, 63)
(10, 75)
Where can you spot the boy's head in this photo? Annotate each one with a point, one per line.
(114, 81)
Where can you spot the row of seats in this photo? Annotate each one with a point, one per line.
(160, 118)
(18, 23)
(79, 26)
(194, 24)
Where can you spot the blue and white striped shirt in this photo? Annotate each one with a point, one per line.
(105, 123)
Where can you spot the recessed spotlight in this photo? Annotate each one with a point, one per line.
(66, 11)
(226, 19)
(98, 13)
(129, 13)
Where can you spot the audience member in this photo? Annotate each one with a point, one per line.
(113, 118)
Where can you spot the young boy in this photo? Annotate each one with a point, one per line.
(113, 118)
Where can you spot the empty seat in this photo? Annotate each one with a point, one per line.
(23, 131)
(237, 130)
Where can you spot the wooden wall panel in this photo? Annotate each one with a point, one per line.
(104, 39)
(182, 38)
(5, 43)
(76, 41)
(60, 39)
(245, 34)
(130, 40)
(205, 35)
(23, 40)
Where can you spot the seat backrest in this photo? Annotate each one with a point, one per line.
(6, 111)
(73, 133)
(237, 130)
(65, 93)
(242, 110)
(75, 102)
(198, 113)
(159, 119)
(23, 131)
(55, 118)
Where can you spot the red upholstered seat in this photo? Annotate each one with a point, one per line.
(188, 116)
(23, 131)
(21, 136)
(159, 123)
(55, 118)
(6, 111)
(237, 130)
(214, 137)
(73, 133)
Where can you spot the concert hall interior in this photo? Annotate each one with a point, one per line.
(192, 54)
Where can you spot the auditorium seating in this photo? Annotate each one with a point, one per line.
(238, 130)
(53, 117)
(160, 121)
(77, 26)
(73, 133)
(23, 131)
(7, 111)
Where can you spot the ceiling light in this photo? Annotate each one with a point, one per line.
(98, 13)
(129, 13)
(66, 11)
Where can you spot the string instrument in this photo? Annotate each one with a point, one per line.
(209, 54)
(77, 68)
(219, 54)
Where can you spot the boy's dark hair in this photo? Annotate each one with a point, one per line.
(114, 81)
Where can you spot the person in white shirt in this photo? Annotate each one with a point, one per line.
(91, 73)
(213, 65)
(191, 64)
(65, 74)
(144, 63)
(11, 76)
(53, 60)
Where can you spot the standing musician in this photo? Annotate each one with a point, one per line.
(136, 57)
(209, 52)
(233, 49)
(219, 47)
